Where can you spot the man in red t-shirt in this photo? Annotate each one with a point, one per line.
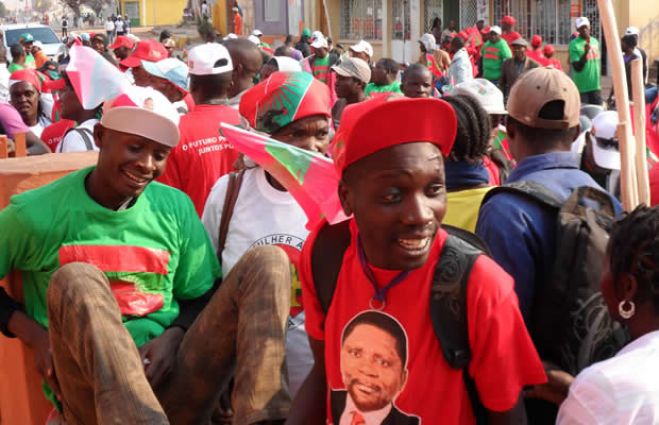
(375, 347)
(203, 155)
(508, 32)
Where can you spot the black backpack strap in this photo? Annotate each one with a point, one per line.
(326, 259)
(448, 308)
(86, 134)
(230, 199)
(528, 189)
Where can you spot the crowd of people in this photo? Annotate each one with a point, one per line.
(486, 272)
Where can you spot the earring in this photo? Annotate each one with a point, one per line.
(626, 313)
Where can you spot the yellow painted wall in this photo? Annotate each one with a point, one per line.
(159, 12)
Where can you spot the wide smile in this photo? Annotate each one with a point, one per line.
(415, 246)
(366, 389)
(136, 180)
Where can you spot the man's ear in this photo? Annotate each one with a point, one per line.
(99, 133)
(345, 195)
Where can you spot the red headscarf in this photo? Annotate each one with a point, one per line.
(27, 75)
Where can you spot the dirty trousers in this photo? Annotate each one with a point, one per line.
(240, 333)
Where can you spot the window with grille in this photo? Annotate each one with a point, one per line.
(400, 11)
(549, 18)
(361, 19)
(433, 9)
(468, 13)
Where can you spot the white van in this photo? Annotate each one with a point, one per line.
(45, 34)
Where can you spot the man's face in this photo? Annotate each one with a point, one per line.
(380, 74)
(417, 84)
(505, 26)
(494, 37)
(142, 78)
(27, 46)
(346, 87)
(70, 106)
(320, 52)
(122, 52)
(309, 133)
(371, 368)
(127, 163)
(25, 98)
(519, 52)
(267, 70)
(584, 32)
(98, 45)
(480, 25)
(398, 198)
(166, 87)
(451, 25)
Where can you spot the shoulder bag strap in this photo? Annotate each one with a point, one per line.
(233, 189)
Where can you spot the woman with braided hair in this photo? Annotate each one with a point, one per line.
(467, 177)
(625, 388)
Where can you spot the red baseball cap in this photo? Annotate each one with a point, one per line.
(122, 41)
(510, 20)
(536, 40)
(485, 30)
(27, 75)
(548, 50)
(371, 126)
(147, 50)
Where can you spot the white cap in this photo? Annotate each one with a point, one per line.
(495, 29)
(581, 21)
(429, 42)
(628, 31)
(230, 36)
(257, 33)
(286, 64)
(254, 39)
(316, 34)
(145, 112)
(133, 37)
(606, 151)
(363, 46)
(485, 92)
(319, 42)
(202, 59)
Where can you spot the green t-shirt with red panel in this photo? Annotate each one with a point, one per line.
(589, 78)
(154, 253)
(494, 54)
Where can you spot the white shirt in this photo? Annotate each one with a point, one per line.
(4, 83)
(618, 391)
(263, 215)
(119, 25)
(460, 69)
(73, 141)
(370, 418)
(109, 26)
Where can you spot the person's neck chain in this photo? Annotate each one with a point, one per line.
(379, 299)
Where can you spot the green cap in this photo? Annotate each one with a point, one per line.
(306, 32)
(26, 37)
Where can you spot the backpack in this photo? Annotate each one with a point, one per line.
(448, 300)
(86, 134)
(569, 323)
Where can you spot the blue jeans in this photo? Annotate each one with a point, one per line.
(651, 94)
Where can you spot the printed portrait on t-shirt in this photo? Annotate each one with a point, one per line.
(374, 350)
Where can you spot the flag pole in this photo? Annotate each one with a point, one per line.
(629, 188)
(638, 95)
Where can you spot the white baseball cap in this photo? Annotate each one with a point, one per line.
(286, 64)
(606, 151)
(429, 42)
(254, 39)
(632, 31)
(363, 46)
(581, 21)
(495, 29)
(257, 33)
(485, 92)
(319, 42)
(230, 36)
(203, 59)
(145, 112)
(317, 34)
(170, 69)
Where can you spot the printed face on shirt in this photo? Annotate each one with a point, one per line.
(398, 198)
(127, 162)
(372, 361)
(309, 133)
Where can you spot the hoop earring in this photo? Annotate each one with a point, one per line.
(626, 313)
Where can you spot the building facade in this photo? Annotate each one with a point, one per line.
(394, 26)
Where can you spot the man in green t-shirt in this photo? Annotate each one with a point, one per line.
(586, 62)
(384, 78)
(118, 279)
(493, 53)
